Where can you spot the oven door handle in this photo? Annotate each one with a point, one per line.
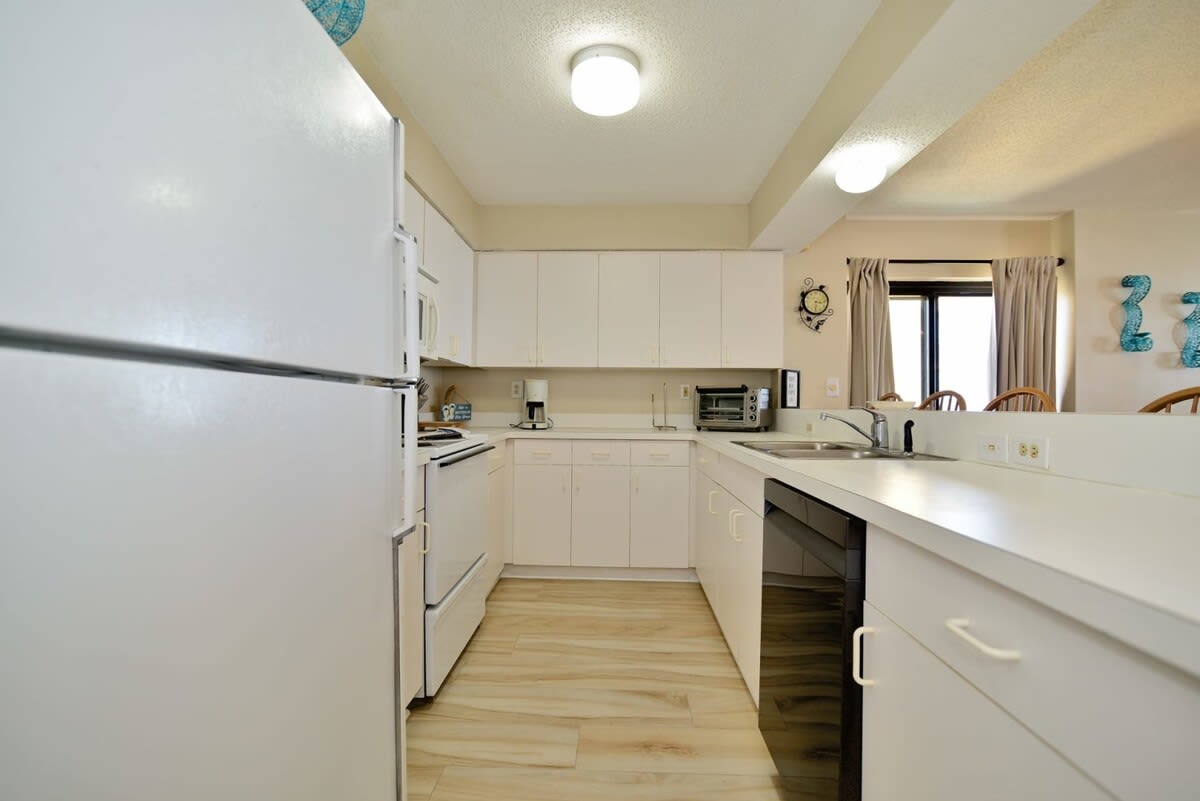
(458, 457)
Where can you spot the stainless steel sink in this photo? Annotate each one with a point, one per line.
(829, 450)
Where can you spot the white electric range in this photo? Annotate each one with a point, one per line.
(456, 511)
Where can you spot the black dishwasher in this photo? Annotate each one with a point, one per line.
(810, 709)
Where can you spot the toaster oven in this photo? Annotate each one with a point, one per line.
(737, 408)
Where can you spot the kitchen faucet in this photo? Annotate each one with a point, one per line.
(879, 426)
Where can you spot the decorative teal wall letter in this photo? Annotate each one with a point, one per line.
(340, 18)
(1191, 348)
(1132, 339)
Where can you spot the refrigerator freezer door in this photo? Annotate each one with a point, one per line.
(208, 176)
(195, 584)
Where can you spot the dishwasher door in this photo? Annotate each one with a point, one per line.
(456, 495)
(810, 709)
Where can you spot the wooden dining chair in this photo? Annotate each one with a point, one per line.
(945, 400)
(1021, 399)
(1165, 403)
(890, 396)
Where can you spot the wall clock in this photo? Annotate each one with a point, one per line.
(814, 305)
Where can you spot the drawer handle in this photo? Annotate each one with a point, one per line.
(734, 514)
(711, 493)
(958, 625)
(425, 528)
(856, 656)
(547, 454)
(601, 454)
(659, 455)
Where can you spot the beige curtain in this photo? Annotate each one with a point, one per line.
(870, 332)
(1025, 292)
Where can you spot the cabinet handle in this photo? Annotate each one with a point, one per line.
(601, 454)
(734, 514)
(425, 529)
(662, 354)
(542, 453)
(958, 625)
(637, 483)
(727, 359)
(564, 479)
(541, 353)
(659, 455)
(650, 356)
(856, 657)
(578, 482)
(453, 345)
(711, 493)
(531, 358)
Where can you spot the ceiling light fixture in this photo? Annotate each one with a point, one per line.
(604, 80)
(860, 175)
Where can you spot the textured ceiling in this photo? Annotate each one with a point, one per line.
(1107, 117)
(725, 84)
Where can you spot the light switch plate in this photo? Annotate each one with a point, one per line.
(833, 387)
(685, 391)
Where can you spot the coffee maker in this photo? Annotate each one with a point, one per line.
(533, 407)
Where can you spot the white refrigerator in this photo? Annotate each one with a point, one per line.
(204, 365)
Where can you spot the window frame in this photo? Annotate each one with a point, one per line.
(929, 292)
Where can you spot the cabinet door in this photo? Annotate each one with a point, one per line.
(456, 295)
(498, 505)
(658, 516)
(414, 218)
(690, 310)
(566, 309)
(706, 516)
(752, 309)
(506, 310)
(600, 516)
(628, 310)
(412, 612)
(725, 558)
(542, 514)
(929, 734)
(746, 580)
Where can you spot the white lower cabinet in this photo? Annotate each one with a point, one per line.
(658, 516)
(542, 514)
(930, 735)
(600, 516)
(499, 520)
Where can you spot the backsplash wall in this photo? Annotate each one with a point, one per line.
(591, 390)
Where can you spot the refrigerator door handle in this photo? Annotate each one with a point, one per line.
(408, 450)
(408, 362)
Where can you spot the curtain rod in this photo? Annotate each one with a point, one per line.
(1061, 261)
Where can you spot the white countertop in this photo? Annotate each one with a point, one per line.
(1121, 560)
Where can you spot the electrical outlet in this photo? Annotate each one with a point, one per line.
(685, 391)
(1030, 451)
(515, 391)
(993, 448)
(809, 428)
(833, 387)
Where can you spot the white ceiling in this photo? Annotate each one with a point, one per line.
(1108, 117)
(725, 85)
(1014, 108)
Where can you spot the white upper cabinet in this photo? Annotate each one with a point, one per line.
(567, 288)
(454, 262)
(506, 322)
(751, 309)
(628, 310)
(690, 310)
(414, 218)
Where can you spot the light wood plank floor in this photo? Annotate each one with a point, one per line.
(588, 690)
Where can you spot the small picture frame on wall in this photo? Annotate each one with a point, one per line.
(789, 389)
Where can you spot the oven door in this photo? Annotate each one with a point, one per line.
(722, 407)
(456, 510)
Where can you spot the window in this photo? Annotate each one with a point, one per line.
(942, 339)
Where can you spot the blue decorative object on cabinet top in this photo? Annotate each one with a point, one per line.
(1132, 339)
(339, 18)
(1191, 348)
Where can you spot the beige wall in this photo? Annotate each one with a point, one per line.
(1108, 246)
(827, 354)
(591, 391)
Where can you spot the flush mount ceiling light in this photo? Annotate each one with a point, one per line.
(862, 168)
(604, 80)
(860, 175)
